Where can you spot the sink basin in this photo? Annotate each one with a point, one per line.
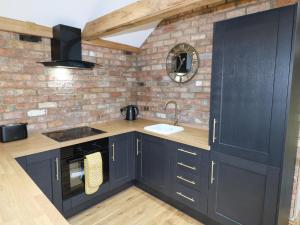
(164, 129)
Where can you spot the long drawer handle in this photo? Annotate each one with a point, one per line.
(186, 180)
(185, 151)
(57, 169)
(186, 197)
(187, 166)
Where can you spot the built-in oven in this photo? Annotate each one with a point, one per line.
(72, 165)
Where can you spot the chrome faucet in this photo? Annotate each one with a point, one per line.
(176, 111)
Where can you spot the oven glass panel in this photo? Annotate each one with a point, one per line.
(76, 174)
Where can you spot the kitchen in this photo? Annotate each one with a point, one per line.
(54, 99)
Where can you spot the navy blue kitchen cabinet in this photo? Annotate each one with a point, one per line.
(44, 170)
(250, 78)
(190, 176)
(153, 163)
(253, 121)
(122, 159)
(242, 191)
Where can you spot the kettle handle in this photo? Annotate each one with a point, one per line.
(137, 110)
(122, 111)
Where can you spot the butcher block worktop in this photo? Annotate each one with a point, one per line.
(36, 143)
(22, 202)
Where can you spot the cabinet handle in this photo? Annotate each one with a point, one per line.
(187, 166)
(113, 152)
(186, 197)
(137, 147)
(57, 169)
(186, 180)
(185, 151)
(214, 131)
(212, 178)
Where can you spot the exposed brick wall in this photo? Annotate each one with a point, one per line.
(50, 99)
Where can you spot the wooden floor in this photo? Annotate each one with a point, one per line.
(132, 207)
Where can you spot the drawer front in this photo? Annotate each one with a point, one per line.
(188, 165)
(190, 198)
(197, 180)
(186, 178)
(191, 154)
(187, 149)
(188, 159)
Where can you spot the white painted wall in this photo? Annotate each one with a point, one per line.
(70, 12)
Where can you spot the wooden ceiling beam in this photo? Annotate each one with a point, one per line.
(112, 45)
(22, 27)
(140, 13)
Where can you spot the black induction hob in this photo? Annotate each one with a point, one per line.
(73, 133)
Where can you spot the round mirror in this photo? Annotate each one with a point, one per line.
(182, 63)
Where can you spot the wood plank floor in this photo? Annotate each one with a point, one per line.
(132, 207)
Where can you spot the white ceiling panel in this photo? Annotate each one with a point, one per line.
(71, 12)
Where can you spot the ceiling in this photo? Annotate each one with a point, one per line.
(73, 13)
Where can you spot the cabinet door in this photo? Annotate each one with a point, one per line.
(251, 63)
(44, 170)
(242, 192)
(154, 163)
(121, 159)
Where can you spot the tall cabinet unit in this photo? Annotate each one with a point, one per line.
(253, 121)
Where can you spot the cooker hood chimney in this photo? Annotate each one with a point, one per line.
(66, 49)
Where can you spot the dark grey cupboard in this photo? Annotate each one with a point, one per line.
(190, 176)
(122, 159)
(153, 163)
(250, 79)
(253, 120)
(44, 170)
(243, 191)
(177, 173)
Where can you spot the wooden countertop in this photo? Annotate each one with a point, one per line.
(22, 202)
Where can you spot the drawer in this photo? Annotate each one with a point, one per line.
(192, 153)
(188, 166)
(198, 180)
(187, 159)
(186, 178)
(190, 198)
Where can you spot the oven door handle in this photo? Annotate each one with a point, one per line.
(72, 160)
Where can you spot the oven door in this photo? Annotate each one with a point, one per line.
(72, 177)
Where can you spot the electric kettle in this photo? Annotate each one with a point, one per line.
(130, 112)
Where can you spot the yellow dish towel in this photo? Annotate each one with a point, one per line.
(93, 172)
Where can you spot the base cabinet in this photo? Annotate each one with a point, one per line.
(122, 160)
(231, 191)
(178, 172)
(242, 192)
(44, 170)
(153, 163)
(190, 177)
